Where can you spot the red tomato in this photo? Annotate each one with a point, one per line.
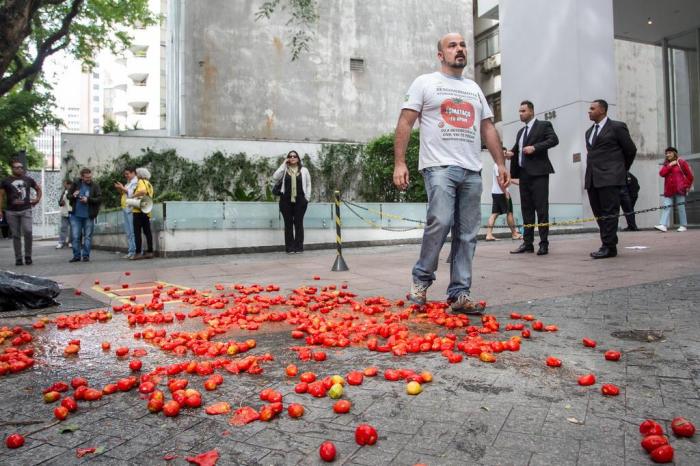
(537, 325)
(612, 355)
(682, 427)
(355, 378)
(307, 377)
(663, 454)
(365, 434)
(342, 407)
(291, 370)
(319, 356)
(652, 442)
(589, 343)
(370, 371)
(14, 441)
(295, 410)
(327, 451)
(60, 413)
(610, 390)
(525, 333)
(650, 427)
(77, 382)
(301, 387)
(585, 380)
(171, 408)
(69, 403)
(135, 365)
(553, 362)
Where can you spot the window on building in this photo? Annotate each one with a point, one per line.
(96, 75)
(95, 121)
(96, 86)
(357, 64)
(95, 109)
(487, 45)
(494, 101)
(95, 98)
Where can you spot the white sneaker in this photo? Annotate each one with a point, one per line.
(661, 227)
(682, 228)
(59, 246)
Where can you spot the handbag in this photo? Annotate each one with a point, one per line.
(688, 186)
(277, 188)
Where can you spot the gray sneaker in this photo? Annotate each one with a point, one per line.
(418, 293)
(464, 305)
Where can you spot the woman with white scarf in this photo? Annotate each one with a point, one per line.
(296, 191)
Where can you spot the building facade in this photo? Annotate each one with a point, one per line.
(231, 76)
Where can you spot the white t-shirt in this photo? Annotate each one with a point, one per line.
(451, 110)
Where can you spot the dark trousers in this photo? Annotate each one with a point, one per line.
(534, 199)
(627, 202)
(142, 224)
(606, 201)
(293, 215)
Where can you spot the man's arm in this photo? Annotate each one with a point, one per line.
(402, 135)
(627, 145)
(96, 195)
(550, 137)
(37, 188)
(490, 137)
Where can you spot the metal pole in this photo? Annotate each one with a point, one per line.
(43, 202)
(53, 152)
(339, 265)
(667, 92)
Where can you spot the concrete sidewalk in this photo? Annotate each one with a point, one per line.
(515, 411)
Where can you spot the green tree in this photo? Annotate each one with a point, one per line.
(377, 162)
(33, 30)
(303, 15)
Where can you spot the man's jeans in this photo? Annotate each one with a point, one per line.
(129, 230)
(20, 223)
(81, 226)
(454, 202)
(64, 235)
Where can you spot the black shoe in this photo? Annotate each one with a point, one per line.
(543, 250)
(75, 259)
(86, 259)
(19, 262)
(28, 260)
(524, 248)
(604, 252)
(631, 229)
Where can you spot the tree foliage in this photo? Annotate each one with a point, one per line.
(33, 30)
(378, 170)
(303, 15)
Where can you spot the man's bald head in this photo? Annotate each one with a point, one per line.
(452, 53)
(445, 39)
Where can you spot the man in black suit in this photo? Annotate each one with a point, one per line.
(530, 163)
(628, 198)
(610, 156)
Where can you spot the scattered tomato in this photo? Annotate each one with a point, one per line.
(327, 450)
(682, 427)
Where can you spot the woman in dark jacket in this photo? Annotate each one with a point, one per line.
(296, 191)
(678, 178)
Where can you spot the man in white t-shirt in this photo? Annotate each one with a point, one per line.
(454, 118)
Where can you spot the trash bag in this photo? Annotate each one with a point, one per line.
(26, 291)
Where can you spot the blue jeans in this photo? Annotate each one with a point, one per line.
(81, 226)
(666, 213)
(454, 203)
(129, 230)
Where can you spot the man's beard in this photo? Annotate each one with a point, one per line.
(457, 65)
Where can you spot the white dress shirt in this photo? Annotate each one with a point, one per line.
(521, 144)
(600, 128)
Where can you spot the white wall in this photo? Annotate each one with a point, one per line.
(560, 56)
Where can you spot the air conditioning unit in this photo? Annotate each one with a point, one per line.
(491, 63)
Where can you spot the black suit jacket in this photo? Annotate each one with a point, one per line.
(543, 138)
(610, 157)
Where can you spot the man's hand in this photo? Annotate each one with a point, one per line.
(527, 150)
(675, 162)
(503, 177)
(401, 176)
(119, 186)
(34, 202)
(509, 153)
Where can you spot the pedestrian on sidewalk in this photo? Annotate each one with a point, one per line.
(531, 166)
(502, 204)
(294, 199)
(678, 181)
(85, 202)
(628, 198)
(65, 210)
(454, 117)
(142, 220)
(16, 190)
(127, 192)
(610, 156)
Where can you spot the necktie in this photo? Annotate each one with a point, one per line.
(595, 135)
(522, 155)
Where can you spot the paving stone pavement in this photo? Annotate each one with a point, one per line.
(515, 411)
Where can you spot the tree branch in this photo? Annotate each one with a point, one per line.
(44, 50)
